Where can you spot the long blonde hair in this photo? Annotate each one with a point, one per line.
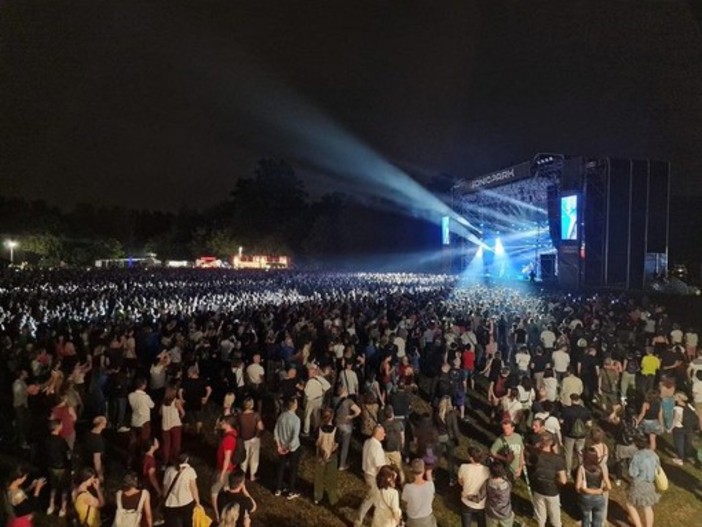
(230, 515)
(444, 408)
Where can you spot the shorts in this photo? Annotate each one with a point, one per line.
(57, 479)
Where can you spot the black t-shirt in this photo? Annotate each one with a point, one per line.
(56, 452)
(393, 435)
(520, 336)
(588, 366)
(571, 413)
(668, 358)
(193, 392)
(245, 504)
(539, 363)
(93, 444)
(401, 402)
(288, 388)
(543, 475)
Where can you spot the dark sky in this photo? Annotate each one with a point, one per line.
(166, 104)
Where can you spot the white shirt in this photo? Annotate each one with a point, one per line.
(676, 336)
(141, 405)
(316, 387)
(548, 338)
(158, 376)
(373, 457)
(255, 373)
(697, 391)
(349, 380)
(561, 360)
(181, 494)
(522, 360)
(401, 344)
(170, 418)
(175, 354)
(473, 476)
(691, 340)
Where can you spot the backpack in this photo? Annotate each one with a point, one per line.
(128, 517)
(239, 454)
(690, 419)
(326, 445)
(579, 429)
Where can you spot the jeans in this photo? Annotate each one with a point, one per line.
(628, 381)
(547, 508)
(171, 441)
(593, 507)
(179, 516)
(682, 440)
(118, 411)
(570, 444)
(291, 459)
(346, 431)
(469, 513)
(22, 422)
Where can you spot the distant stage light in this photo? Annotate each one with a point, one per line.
(499, 249)
(479, 254)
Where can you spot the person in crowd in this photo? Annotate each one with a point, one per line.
(418, 496)
(133, 504)
(181, 494)
(255, 380)
(472, 477)
(67, 415)
(158, 376)
(150, 469)
(650, 364)
(370, 412)
(250, 426)
(23, 499)
(386, 503)
(650, 417)
(509, 448)
(697, 394)
(592, 485)
(172, 413)
(642, 491)
(94, 447)
(20, 403)
(551, 423)
(225, 455)
(576, 420)
(685, 423)
(522, 359)
(394, 439)
(498, 388)
(195, 392)
(56, 455)
(141, 405)
(346, 411)
(498, 497)
(570, 385)
(373, 459)
(326, 467)
(88, 498)
(236, 494)
(446, 422)
(547, 477)
(561, 361)
(511, 407)
(549, 386)
(287, 439)
(667, 387)
(607, 385)
(315, 391)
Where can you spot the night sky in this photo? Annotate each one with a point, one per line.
(165, 105)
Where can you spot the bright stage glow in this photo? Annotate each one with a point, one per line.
(479, 253)
(499, 249)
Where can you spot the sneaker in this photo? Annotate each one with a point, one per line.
(50, 510)
(317, 502)
(677, 461)
(618, 482)
(62, 513)
(278, 493)
(123, 429)
(293, 495)
(345, 467)
(159, 522)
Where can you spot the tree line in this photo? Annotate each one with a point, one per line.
(269, 213)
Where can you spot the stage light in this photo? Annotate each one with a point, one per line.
(499, 249)
(479, 254)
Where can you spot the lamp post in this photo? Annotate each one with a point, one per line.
(11, 244)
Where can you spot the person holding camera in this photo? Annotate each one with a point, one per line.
(22, 499)
(509, 448)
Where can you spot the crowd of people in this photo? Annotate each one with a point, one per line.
(403, 362)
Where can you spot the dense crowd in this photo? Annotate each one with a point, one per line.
(151, 354)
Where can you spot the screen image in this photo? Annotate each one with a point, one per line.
(569, 217)
(445, 233)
